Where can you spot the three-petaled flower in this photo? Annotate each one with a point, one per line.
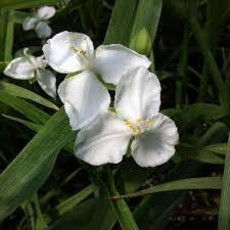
(137, 103)
(32, 68)
(83, 95)
(38, 22)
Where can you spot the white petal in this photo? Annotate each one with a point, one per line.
(138, 95)
(105, 141)
(47, 81)
(157, 146)
(29, 23)
(46, 12)
(113, 61)
(84, 97)
(20, 68)
(43, 30)
(60, 52)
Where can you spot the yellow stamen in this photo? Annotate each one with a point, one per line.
(78, 51)
(139, 125)
(129, 123)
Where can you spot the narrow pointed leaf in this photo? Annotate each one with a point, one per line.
(29, 124)
(25, 108)
(32, 166)
(119, 26)
(7, 33)
(26, 94)
(73, 201)
(184, 184)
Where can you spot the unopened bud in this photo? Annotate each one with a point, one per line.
(141, 42)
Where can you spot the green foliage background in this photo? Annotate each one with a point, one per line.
(43, 186)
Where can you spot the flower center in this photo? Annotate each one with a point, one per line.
(77, 50)
(139, 125)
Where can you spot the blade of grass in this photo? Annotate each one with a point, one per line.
(184, 184)
(21, 179)
(121, 22)
(35, 127)
(208, 57)
(7, 33)
(72, 202)
(199, 154)
(28, 124)
(224, 211)
(25, 108)
(27, 94)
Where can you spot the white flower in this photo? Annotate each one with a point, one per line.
(30, 67)
(38, 22)
(137, 103)
(84, 97)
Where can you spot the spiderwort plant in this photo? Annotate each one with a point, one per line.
(153, 135)
(83, 95)
(39, 22)
(32, 68)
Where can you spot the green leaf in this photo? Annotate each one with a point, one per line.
(204, 155)
(26, 94)
(73, 201)
(93, 214)
(224, 211)
(29, 170)
(29, 124)
(123, 14)
(17, 4)
(217, 148)
(35, 127)
(209, 59)
(187, 116)
(7, 33)
(25, 108)
(184, 184)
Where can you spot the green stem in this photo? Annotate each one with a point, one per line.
(124, 215)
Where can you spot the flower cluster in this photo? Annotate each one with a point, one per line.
(39, 22)
(104, 136)
(32, 68)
